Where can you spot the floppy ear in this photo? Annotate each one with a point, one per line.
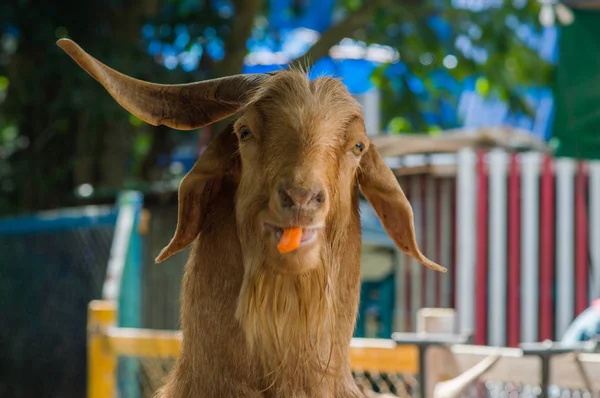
(179, 106)
(381, 188)
(198, 187)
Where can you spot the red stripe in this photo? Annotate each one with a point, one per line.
(438, 239)
(408, 315)
(452, 269)
(514, 267)
(581, 240)
(547, 250)
(423, 242)
(481, 282)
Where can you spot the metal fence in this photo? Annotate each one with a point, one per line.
(154, 370)
(51, 265)
(151, 375)
(528, 244)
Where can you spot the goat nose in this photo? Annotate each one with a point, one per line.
(300, 197)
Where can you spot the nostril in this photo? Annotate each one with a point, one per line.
(319, 197)
(301, 197)
(285, 199)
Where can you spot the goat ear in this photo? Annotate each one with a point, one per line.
(179, 106)
(198, 187)
(381, 188)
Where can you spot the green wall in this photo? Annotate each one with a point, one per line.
(577, 88)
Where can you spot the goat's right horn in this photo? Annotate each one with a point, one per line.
(180, 106)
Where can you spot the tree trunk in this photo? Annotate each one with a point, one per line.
(235, 47)
(117, 137)
(160, 146)
(246, 12)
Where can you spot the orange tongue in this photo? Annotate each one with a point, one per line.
(290, 240)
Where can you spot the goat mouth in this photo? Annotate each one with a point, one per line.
(309, 234)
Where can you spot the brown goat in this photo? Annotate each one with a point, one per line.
(258, 323)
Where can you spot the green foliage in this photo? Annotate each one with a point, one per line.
(61, 116)
(493, 52)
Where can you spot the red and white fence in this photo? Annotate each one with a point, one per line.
(520, 234)
(434, 202)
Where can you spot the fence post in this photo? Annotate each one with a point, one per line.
(123, 280)
(548, 349)
(101, 362)
(435, 329)
(466, 239)
(438, 321)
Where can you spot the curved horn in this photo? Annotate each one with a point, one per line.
(180, 106)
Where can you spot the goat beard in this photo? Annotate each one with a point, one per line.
(288, 322)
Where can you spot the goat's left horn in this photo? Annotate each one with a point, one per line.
(180, 106)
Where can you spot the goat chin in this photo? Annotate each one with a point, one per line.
(288, 322)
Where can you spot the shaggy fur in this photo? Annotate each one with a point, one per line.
(257, 323)
(289, 333)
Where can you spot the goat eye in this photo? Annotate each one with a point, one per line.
(358, 148)
(245, 133)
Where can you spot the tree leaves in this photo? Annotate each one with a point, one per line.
(433, 38)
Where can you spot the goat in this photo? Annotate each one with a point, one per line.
(257, 322)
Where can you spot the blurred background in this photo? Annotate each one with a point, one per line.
(88, 192)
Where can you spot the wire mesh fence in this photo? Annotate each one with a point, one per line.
(494, 389)
(397, 384)
(152, 373)
(51, 266)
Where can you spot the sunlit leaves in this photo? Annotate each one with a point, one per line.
(353, 5)
(9, 134)
(497, 45)
(482, 86)
(61, 32)
(135, 121)
(399, 124)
